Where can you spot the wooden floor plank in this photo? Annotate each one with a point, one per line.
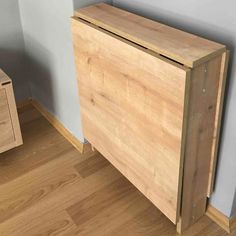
(98, 201)
(114, 215)
(51, 223)
(150, 222)
(33, 188)
(91, 165)
(48, 188)
(41, 145)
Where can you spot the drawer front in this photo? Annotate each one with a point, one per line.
(6, 129)
(132, 106)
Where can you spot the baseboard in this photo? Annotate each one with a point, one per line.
(22, 104)
(228, 224)
(81, 147)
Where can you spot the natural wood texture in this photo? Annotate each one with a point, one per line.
(219, 218)
(217, 128)
(232, 223)
(91, 165)
(4, 79)
(228, 224)
(119, 85)
(199, 139)
(45, 193)
(154, 119)
(10, 134)
(180, 46)
(82, 147)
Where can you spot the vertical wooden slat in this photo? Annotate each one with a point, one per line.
(13, 114)
(218, 117)
(200, 129)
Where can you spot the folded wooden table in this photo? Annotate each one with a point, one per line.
(151, 103)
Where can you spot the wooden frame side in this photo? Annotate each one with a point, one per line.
(7, 86)
(202, 108)
(183, 142)
(219, 108)
(14, 114)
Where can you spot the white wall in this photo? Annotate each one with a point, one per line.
(214, 20)
(83, 3)
(47, 35)
(46, 27)
(12, 58)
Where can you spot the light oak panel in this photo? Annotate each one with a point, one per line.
(10, 135)
(218, 117)
(128, 96)
(202, 108)
(6, 130)
(178, 45)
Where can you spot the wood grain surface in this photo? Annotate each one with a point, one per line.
(178, 45)
(218, 120)
(151, 102)
(128, 97)
(10, 133)
(202, 102)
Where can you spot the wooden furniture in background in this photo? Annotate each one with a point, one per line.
(10, 134)
(151, 99)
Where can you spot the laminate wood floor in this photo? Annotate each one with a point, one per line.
(48, 188)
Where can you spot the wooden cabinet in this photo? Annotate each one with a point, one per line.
(151, 100)
(10, 134)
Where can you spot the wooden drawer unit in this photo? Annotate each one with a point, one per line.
(151, 99)
(10, 134)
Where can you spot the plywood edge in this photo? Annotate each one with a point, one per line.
(209, 57)
(218, 117)
(183, 142)
(189, 63)
(81, 147)
(220, 219)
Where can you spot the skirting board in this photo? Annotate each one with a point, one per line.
(228, 224)
(22, 104)
(81, 147)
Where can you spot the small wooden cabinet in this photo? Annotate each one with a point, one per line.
(10, 134)
(151, 103)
